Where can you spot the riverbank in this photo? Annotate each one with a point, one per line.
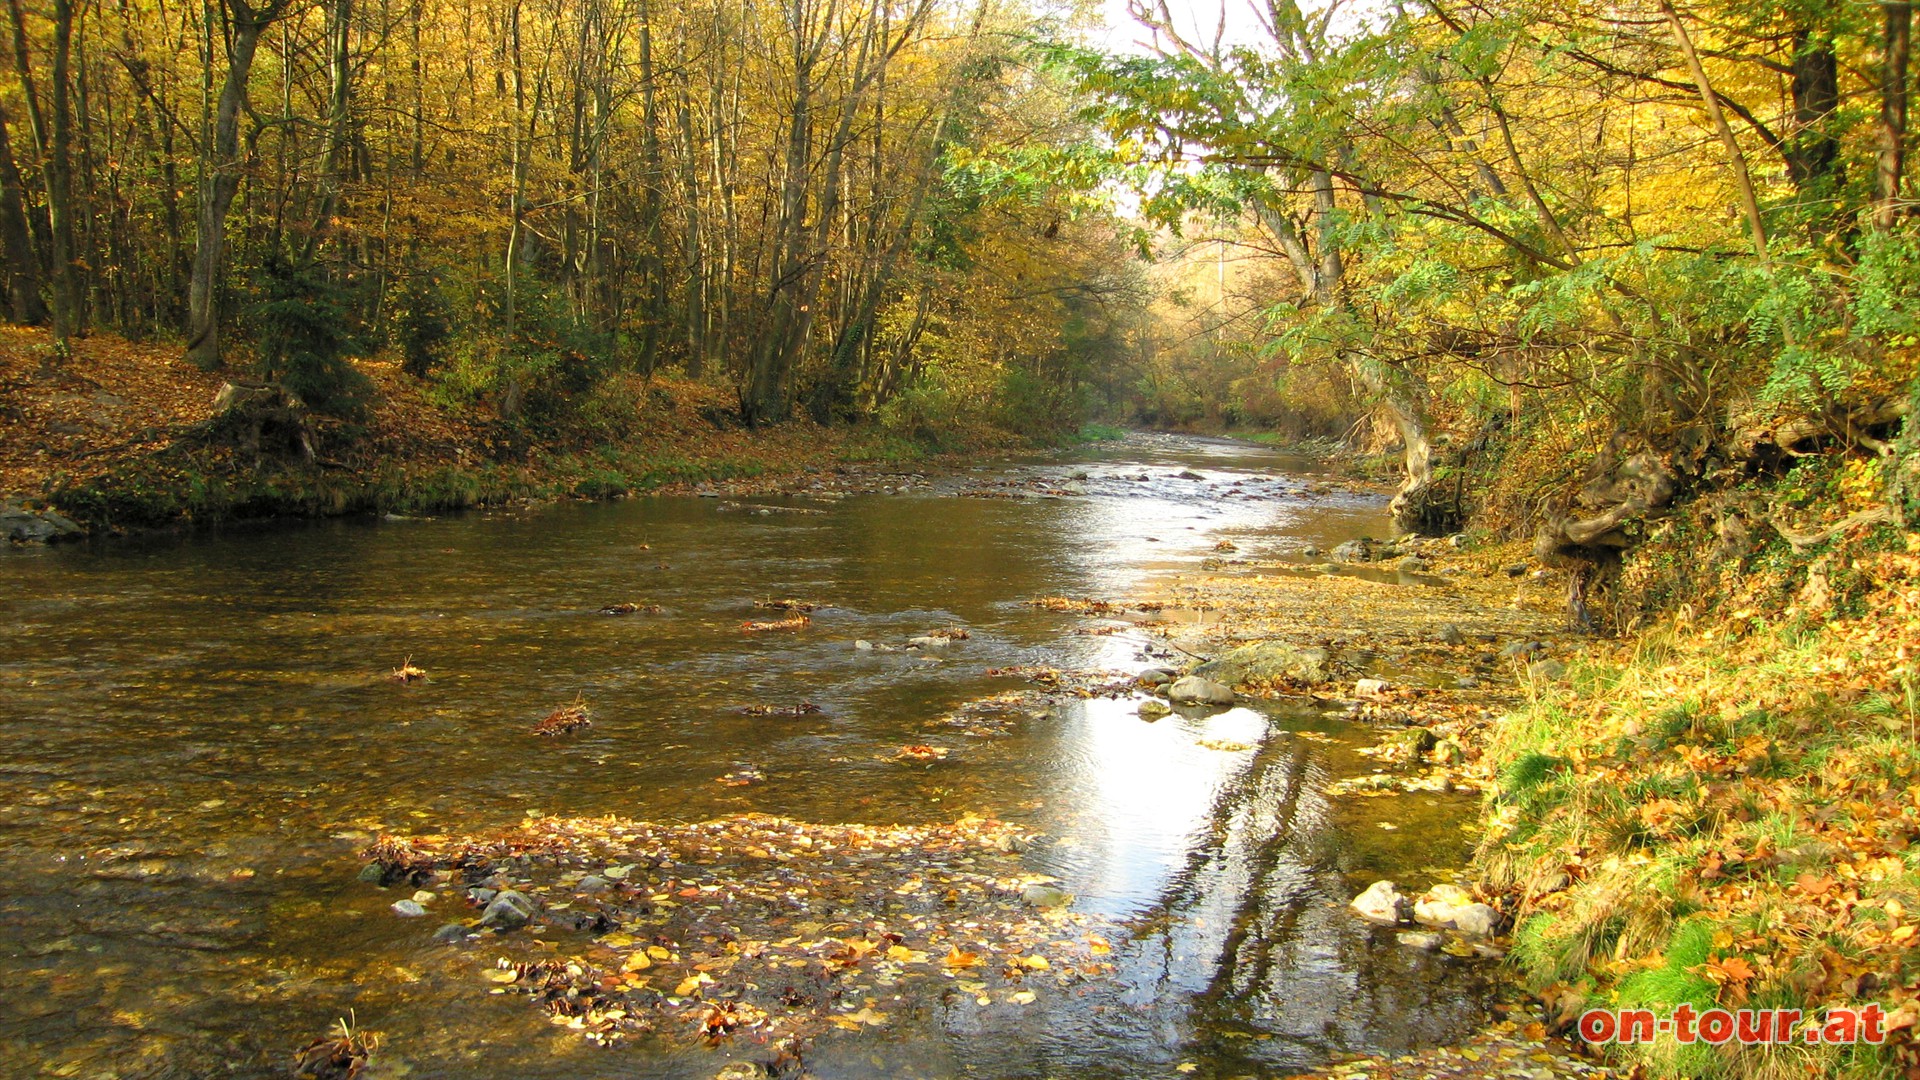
(1719, 811)
(123, 436)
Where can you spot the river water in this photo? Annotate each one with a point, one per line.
(200, 737)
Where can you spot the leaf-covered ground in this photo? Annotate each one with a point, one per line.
(115, 436)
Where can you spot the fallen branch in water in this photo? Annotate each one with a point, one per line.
(632, 609)
(564, 720)
(805, 708)
(795, 623)
(790, 604)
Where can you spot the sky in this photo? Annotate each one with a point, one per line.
(1197, 20)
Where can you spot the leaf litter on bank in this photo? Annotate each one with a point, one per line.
(758, 926)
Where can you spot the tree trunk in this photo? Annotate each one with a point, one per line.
(1890, 167)
(24, 304)
(221, 169)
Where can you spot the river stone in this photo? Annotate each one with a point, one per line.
(509, 911)
(1045, 896)
(863, 645)
(1414, 564)
(483, 897)
(1381, 903)
(1266, 661)
(409, 909)
(741, 1070)
(592, 883)
(1371, 687)
(1417, 741)
(1476, 920)
(1425, 940)
(1154, 709)
(1157, 676)
(1360, 550)
(1515, 569)
(1445, 906)
(1310, 551)
(1546, 671)
(1196, 690)
(1188, 474)
(1451, 635)
(1520, 648)
(373, 872)
(927, 642)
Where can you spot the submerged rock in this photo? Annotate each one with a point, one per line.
(1045, 896)
(1381, 903)
(1154, 709)
(1267, 661)
(508, 911)
(408, 909)
(451, 934)
(1197, 690)
(1425, 940)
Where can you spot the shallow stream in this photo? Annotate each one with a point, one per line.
(200, 736)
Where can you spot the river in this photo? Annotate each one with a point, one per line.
(200, 737)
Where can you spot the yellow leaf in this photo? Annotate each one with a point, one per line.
(957, 959)
(691, 984)
(1034, 963)
(637, 961)
(1022, 997)
(658, 953)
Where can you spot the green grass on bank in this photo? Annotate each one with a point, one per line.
(1726, 813)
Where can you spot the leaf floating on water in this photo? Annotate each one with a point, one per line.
(959, 959)
(406, 672)
(1021, 997)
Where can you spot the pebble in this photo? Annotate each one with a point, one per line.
(408, 909)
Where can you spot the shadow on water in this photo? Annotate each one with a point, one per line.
(200, 737)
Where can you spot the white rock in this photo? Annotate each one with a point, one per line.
(1370, 687)
(1381, 903)
(1194, 690)
(1476, 920)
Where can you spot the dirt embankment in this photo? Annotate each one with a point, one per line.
(124, 435)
